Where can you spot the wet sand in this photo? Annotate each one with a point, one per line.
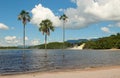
(99, 72)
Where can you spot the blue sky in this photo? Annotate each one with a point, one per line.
(84, 21)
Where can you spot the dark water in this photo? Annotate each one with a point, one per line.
(12, 61)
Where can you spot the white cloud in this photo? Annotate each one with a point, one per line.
(16, 41)
(73, 1)
(110, 25)
(105, 9)
(105, 29)
(3, 26)
(61, 10)
(88, 12)
(26, 38)
(114, 25)
(11, 39)
(35, 42)
(118, 24)
(41, 13)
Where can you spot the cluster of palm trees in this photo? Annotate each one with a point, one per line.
(45, 26)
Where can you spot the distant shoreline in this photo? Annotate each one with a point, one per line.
(61, 49)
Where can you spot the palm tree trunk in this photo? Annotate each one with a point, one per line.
(46, 45)
(23, 41)
(24, 67)
(63, 34)
(45, 41)
(63, 38)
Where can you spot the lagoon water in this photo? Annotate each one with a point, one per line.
(12, 61)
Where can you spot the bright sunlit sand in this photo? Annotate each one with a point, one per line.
(102, 72)
(78, 47)
(60, 39)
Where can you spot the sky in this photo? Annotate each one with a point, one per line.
(86, 19)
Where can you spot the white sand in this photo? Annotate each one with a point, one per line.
(111, 72)
(78, 47)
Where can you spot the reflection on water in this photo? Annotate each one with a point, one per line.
(11, 61)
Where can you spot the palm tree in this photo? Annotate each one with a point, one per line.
(24, 17)
(45, 27)
(64, 19)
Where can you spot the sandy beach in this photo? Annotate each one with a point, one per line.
(102, 72)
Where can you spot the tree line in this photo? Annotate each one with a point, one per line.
(52, 45)
(111, 42)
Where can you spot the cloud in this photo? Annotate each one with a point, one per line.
(16, 41)
(11, 39)
(114, 25)
(105, 29)
(73, 1)
(89, 12)
(35, 42)
(105, 9)
(85, 13)
(41, 13)
(110, 25)
(26, 38)
(61, 10)
(118, 24)
(3, 26)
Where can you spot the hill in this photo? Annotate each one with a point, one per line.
(76, 41)
(52, 45)
(110, 42)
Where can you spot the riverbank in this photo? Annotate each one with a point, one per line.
(100, 72)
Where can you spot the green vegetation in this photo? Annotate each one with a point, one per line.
(104, 43)
(9, 48)
(45, 27)
(111, 42)
(53, 45)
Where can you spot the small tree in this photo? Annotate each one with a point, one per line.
(45, 27)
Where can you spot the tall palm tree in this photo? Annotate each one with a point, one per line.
(24, 17)
(64, 19)
(45, 27)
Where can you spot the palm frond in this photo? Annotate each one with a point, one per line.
(46, 26)
(63, 17)
(24, 17)
(19, 17)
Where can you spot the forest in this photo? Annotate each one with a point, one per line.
(111, 42)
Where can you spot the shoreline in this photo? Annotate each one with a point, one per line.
(97, 72)
(64, 49)
(91, 49)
